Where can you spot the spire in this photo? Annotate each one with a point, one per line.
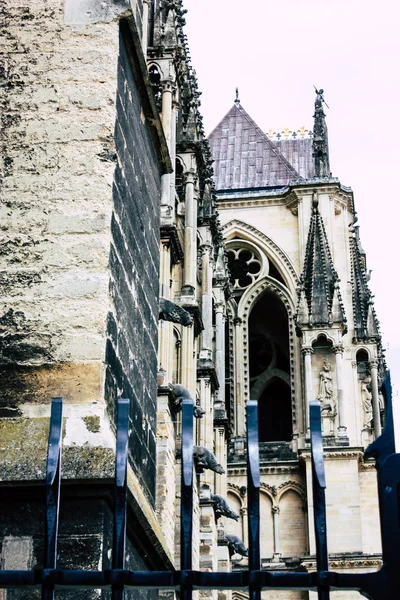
(237, 101)
(320, 138)
(366, 323)
(320, 303)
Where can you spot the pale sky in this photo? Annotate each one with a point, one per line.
(275, 51)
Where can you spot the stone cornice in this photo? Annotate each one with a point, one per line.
(276, 468)
(344, 453)
(346, 561)
(285, 195)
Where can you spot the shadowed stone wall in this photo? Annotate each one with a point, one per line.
(131, 354)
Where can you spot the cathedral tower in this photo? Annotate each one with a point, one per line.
(301, 326)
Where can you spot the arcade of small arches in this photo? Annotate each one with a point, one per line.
(279, 506)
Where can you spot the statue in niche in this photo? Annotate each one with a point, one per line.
(325, 394)
(367, 401)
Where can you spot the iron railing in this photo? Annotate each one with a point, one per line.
(380, 585)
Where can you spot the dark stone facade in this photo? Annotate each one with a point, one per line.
(84, 541)
(131, 353)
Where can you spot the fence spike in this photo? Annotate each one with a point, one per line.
(319, 485)
(187, 496)
(121, 466)
(53, 480)
(253, 493)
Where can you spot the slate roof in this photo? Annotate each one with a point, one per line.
(244, 156)
(299, 153)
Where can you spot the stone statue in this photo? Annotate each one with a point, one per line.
(180, 392)
(170, 311)
(367, 401)
(222, 508)
(325, 394)
(205, 459)
(236, 546)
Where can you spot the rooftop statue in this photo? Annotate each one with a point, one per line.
(320, 138)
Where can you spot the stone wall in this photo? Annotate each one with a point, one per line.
(58, 162)
(131, 353)
(79, 254)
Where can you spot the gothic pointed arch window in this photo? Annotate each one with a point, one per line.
(269, 368)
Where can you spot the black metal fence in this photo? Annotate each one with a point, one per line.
(381, 585)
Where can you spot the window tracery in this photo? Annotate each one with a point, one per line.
(244, 264)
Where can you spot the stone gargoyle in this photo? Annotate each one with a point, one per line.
(222, 508)
(236, 546)
(180, 392)
(205, 459)
(170, 311)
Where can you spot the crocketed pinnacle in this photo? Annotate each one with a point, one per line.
(365, 321)
(320, 303)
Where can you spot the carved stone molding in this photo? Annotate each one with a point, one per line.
(275, 250)
(246, 304)
(348, 453)
(264, 469)
(291, 485)
(337, 562)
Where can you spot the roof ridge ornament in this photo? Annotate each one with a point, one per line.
(237, 101)
(320, 138)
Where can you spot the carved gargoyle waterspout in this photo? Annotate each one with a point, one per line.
(180, 392)
(205, 459)
(236, 546)
(222, 508)
(170, 311)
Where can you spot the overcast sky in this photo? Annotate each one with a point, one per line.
(275, 51)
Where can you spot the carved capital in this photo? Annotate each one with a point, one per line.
(275, 510)
(307, 350)
(374, 363)
(189, 177)
(167, 85)
(237, 321)
(206, 249)
(338, 349)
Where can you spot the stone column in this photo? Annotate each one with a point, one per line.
(188, 362)
(206, 301)
(338, 350)
(375, 397)
(220, 346)
(309, 396)
(189, 269)
(167, 202)
(206, 424)
(220, 455)
(245, 525)
(238, 377)
(164, 326)
(277, 534)
(145, 30)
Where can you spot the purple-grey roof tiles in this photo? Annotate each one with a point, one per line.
(244, 156)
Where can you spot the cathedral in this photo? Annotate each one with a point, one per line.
(142, 259)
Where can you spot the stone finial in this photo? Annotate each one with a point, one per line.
(237, 101)
(320, 138)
